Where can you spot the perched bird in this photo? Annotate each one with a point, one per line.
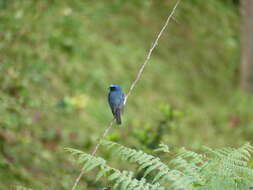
(116, 101)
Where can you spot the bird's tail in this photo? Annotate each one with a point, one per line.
(118, 116)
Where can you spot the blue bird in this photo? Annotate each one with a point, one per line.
(116, 101)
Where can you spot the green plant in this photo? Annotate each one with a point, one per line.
(22, 188)
(54, 52)
(225, 168)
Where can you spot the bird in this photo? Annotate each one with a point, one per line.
(116, 100)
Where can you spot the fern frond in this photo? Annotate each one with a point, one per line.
(193, 157)
(163, 148)
(123, 180)
(224, 168)
(189, 169)
(238, 156)
(227, 167)
(151, 163)
(231, 161)
(190, 163)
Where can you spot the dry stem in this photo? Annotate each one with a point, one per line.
(155, 43)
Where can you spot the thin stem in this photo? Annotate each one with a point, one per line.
(94, 152)
(138, 77)
(150, 52)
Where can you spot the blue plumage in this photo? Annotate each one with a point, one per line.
(116, 101)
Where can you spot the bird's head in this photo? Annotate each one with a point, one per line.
(114, 87)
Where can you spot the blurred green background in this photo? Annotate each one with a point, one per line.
(57, 59)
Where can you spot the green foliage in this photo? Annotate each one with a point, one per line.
(150, 163)
(123, 179)
(225, 168)
(22, 188)
(57, 58)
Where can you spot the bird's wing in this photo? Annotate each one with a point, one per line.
(122, 102)
(111, 103)
(123, 98)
